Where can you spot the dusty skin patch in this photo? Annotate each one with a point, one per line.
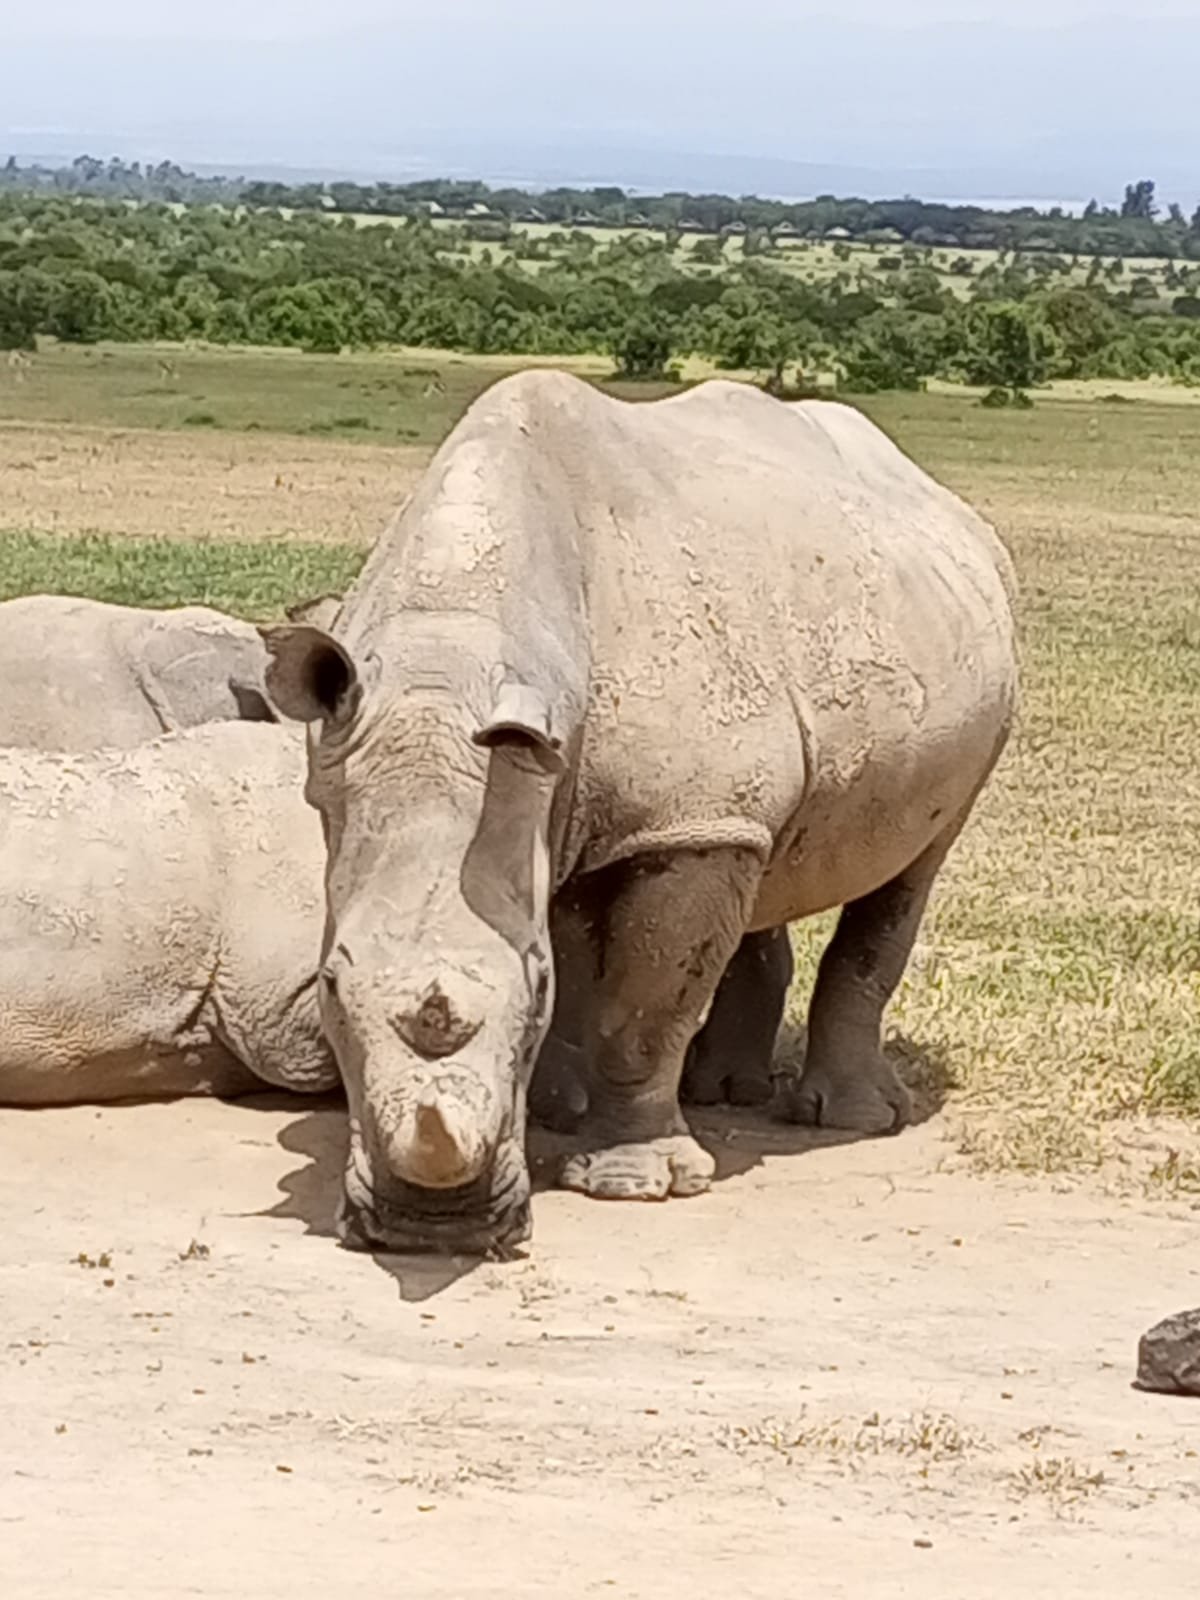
(844, 1373)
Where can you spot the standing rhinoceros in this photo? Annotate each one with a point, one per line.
(679, 671)
(160, 919)
(81, 673)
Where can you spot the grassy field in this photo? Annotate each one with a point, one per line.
(406, 397)
(1057, 983)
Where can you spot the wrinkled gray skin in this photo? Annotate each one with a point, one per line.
(160, 920)
(81, 673)
(660, 675)
(729, 1059)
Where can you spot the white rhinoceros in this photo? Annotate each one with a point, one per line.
(669, 673)
(78, 674)
(160, 919)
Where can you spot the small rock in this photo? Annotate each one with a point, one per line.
(1169, 1355)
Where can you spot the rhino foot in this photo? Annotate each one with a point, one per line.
(651, 1170)
(870, 1100)
(707, 1082)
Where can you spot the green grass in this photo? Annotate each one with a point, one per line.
(399, 397)
(391, 399)
(251, 578)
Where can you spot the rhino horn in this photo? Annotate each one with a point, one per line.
(435, 1148)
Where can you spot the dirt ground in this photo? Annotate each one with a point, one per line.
(849, 1371)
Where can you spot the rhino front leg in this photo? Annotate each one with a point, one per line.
(846, 1082)
(669, 933)
(730, 1058)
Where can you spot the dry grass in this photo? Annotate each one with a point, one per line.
(924, 1438)
(1057, 1479)
(1057, 982)
(199, 486)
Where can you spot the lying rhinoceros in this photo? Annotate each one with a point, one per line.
(678, 671)
(160, 919)
(81, 673)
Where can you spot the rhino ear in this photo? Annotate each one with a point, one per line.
(521, 718)
(309, 676)
(252, 704)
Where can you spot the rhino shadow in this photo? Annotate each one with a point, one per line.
(739, 1139)
(311, 1192)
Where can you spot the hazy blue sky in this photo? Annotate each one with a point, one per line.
(1058, 98)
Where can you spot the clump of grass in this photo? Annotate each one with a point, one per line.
(1172, 1081)
(353, 424)
(1174, 1176)
(1058, 1479)
(925, 1437)
(250, 578)
(201, 419)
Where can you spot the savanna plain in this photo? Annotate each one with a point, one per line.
(885, 1367)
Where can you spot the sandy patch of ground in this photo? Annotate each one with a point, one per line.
(199, 484)
(847, 1372)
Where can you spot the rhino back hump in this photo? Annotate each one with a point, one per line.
(766, 599)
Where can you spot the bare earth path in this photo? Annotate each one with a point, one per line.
(847, 1372)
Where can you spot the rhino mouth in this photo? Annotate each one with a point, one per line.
(489, 1217)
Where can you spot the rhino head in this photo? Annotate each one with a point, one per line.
(435, 788)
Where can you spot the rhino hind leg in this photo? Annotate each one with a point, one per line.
(558, 1090)
(730, 1059)
(846, 1082)
(668, 934)
(558, 1096)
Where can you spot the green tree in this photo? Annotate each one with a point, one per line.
(1083, 326)
(883, 353)
(18, 316)
(1139, 203)
(642, 349)
(81, 309)
(1009, 347)
(708, 252)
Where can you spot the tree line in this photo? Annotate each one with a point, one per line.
(82, 269)
(1138, 227)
